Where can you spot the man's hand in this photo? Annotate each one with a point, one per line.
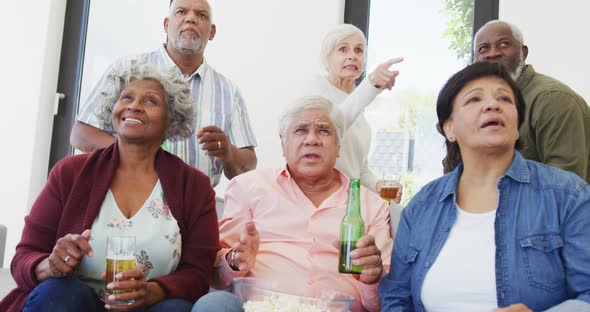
(368, 255)
(245, 251)
(382, 77)
(235, 160)
(215, 142)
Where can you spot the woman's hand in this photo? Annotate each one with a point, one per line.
(141, 293)
(382, 77)
(517, 307)
(368, 255)
(65, 257)
(243, 253)
(400, 191)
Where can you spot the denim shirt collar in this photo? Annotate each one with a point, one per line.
(518, 171)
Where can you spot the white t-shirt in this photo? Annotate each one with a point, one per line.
(463, 276)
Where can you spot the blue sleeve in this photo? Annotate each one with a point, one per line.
(395, 288)
(576, 249)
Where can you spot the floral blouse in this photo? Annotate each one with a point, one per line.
(157, 239)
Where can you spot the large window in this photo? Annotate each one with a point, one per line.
(112, 34)
(435, 37)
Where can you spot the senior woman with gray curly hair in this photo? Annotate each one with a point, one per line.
(131, 188)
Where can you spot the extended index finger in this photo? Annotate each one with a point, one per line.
(392, 61)
(249, 233)
(83, 245)
(251, 228)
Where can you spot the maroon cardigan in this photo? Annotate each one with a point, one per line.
(71, 200)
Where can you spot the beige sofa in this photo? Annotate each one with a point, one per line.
(3, 232)
(6, 281)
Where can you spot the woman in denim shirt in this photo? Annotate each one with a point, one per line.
(499, 233)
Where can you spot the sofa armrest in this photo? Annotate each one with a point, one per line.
(2, 244)
(7, 283)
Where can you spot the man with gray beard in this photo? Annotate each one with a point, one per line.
(556, 128)
(224, 140)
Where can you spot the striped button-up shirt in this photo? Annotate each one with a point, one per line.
(217, 102)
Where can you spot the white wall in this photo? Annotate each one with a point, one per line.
(555, 32)
(270, 49)
(29, 59)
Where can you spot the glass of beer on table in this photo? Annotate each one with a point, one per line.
(388, 188)
(120, 258)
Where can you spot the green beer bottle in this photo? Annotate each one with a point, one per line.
(351, 229)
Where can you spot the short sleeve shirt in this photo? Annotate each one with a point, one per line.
(217, 102)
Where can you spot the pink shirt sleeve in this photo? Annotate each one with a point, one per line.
(235, 215)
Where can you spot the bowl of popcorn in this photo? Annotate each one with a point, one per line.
(262, 295)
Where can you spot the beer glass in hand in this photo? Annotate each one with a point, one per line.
(388, 188)
(120, 258)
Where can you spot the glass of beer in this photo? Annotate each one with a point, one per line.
(388, 188)
(120, 257)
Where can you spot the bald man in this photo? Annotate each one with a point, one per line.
(556, 129)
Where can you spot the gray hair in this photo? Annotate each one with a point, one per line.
(334, 37)
(516, 33)
(176, 93)
(314, 102)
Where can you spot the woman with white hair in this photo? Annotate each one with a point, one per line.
(343, 59)
(131, 188)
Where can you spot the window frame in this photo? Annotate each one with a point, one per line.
(357, 13)
(70, 77)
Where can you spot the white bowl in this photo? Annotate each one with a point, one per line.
(262, 295)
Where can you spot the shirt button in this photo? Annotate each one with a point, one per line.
(427, 264)
(446, 229)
